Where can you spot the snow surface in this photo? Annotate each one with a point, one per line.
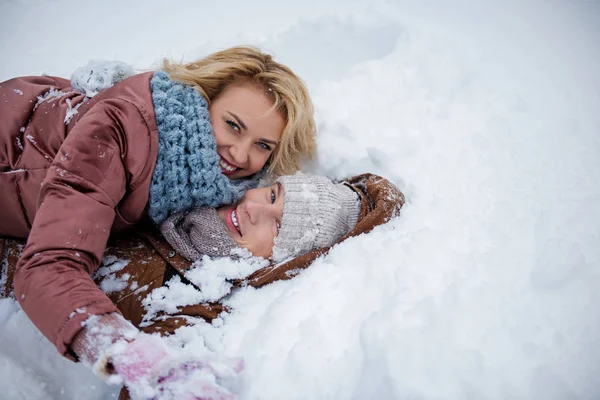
(486, 116)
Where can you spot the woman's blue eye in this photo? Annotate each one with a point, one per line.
(233, 125)
(264, 146)
(273, 197)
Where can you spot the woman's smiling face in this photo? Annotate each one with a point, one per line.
(247, 128)
(254, 222)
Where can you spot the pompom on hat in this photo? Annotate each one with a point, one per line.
(316, 213)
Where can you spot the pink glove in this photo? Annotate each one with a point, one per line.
(152, 370)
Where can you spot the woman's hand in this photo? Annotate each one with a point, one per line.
(152, 370)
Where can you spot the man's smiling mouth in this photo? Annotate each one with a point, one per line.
(235, 222)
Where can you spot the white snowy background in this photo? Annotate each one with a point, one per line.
(486, 115)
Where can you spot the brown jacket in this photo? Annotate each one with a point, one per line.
(152, 261)
(83, 165)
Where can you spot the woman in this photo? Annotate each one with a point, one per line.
(301, 217)
(75, 169)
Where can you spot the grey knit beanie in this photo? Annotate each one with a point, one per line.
(198, 232)
(316, 213)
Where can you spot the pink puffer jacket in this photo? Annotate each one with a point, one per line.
(72, 170)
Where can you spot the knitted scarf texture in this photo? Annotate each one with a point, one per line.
(198, 232)
(187, 172)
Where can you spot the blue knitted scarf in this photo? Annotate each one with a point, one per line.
(187, 172)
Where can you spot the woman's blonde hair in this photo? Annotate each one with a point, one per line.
(212, 74)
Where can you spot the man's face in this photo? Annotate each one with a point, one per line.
(254, 222)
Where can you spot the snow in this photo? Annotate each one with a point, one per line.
(72, 111)
(212, 276)
(49, 97)
(110, 282)
(31, 369)
(211, 279)
(484, 115)
(98, 75)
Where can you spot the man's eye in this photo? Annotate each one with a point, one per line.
(233, 125)
(273, 197)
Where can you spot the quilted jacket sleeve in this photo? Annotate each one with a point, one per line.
(76, 210)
